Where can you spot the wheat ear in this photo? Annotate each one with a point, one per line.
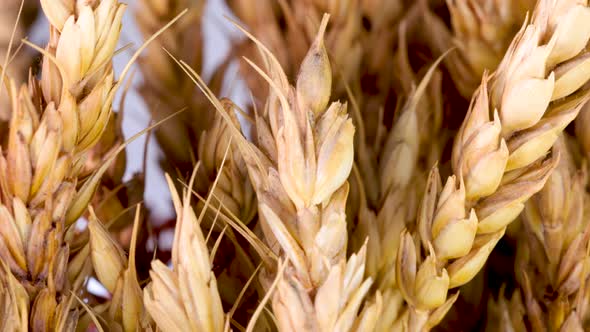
(54, 121)
(165, 88)
(299, 168)
(400, 170)
(497, 164)
(185, 297)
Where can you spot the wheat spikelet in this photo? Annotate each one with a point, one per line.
(497, 164)
(14, 301)
(125, 308)
(185, 297)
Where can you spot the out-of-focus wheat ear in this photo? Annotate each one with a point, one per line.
(554, 241)
(399, 168)
(506, 314)
(481, 31)
(233, 189)
(166, 89)
(15, 16)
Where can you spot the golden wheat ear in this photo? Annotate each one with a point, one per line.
(500, 159)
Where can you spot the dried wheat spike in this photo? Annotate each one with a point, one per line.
(186, 296)
(165, 88)
(53, 122)
(299, 166)
(482, 31)
(19, 64)
(360, 41)
(497, 164)
(552, 251)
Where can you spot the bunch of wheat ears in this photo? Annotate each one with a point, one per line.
(399, 166)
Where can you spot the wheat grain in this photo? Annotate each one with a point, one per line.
(495, 162)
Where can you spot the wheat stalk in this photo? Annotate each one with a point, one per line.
(497, 164)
